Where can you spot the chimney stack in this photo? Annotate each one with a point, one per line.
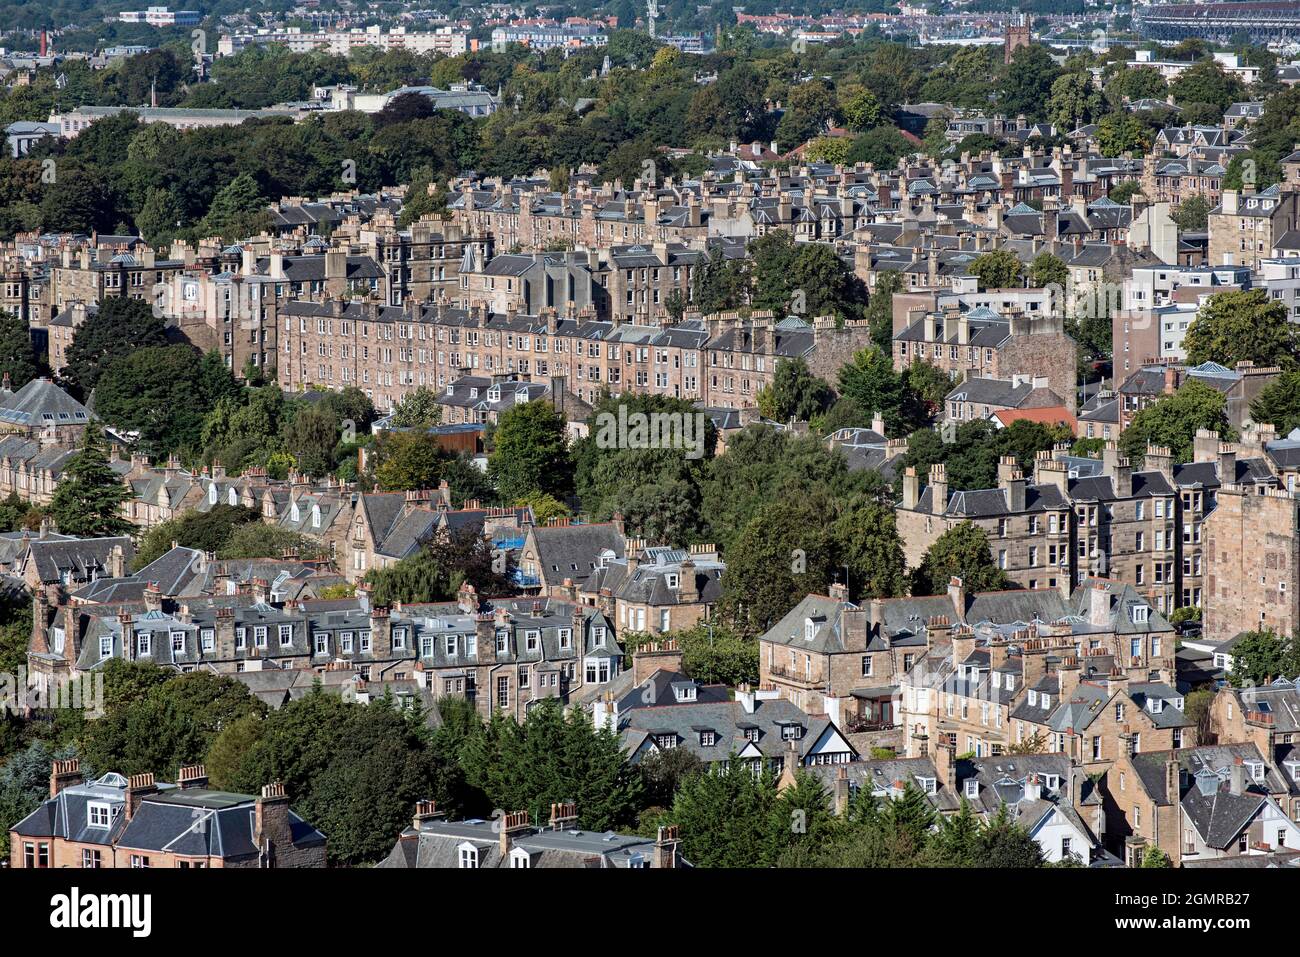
(665, 853)
(137, 786)
(65, 774)
(425, 811)
(512, 824)
(957, 595)
(842, 791)
(938, 489)
(564, 816)
(1237, 777)
(192, 776)
(271, 826)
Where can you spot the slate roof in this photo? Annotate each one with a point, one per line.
(990, 392)
(649, 584)
(1200, 763)
(164, 822)
(437, 843)
(1252, 471)
(81, 559)
(663, 705)
(41, 403)
(1280, 700)
(66, 814)
(573, 551)
(881, 777)
(200, 821)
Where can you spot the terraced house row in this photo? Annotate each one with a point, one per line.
(501, 654)
(388, 351)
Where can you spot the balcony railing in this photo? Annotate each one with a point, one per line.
(795, 677)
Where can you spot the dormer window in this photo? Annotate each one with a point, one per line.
(566, 638)
(1051, 781)
(99, 814)
(1256, 770)
(1045, 700)
(791, 732)
(666, 742)
(972, 788)
(671, 580)
(684, 693)
(531, 640)
(928, 785)
(1155, 705)
(468, 855)
(1011, 682)
(212, 493)
(598, 635)
(752, 734)
(520, 858)
(809, 629)
(1141, 613)
(1033, 697)
(399, 637)
(144, 644)
(708, 739)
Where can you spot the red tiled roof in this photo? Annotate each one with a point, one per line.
(1047, 415)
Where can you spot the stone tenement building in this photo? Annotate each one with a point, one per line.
(1252, 562)
(1149, 527)
(979, 343)
(623, 283)
(1029, 524)
(966, 670)
(137, 822)
(1247, 226)
(388, 351)
(501, 655)
(533, 219)
(89, 275)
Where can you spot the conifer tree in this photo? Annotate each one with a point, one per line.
(89, 497)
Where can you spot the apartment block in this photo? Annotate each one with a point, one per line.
(1252, 562)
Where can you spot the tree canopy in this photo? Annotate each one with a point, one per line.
(960, 552)
(1242, 326)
